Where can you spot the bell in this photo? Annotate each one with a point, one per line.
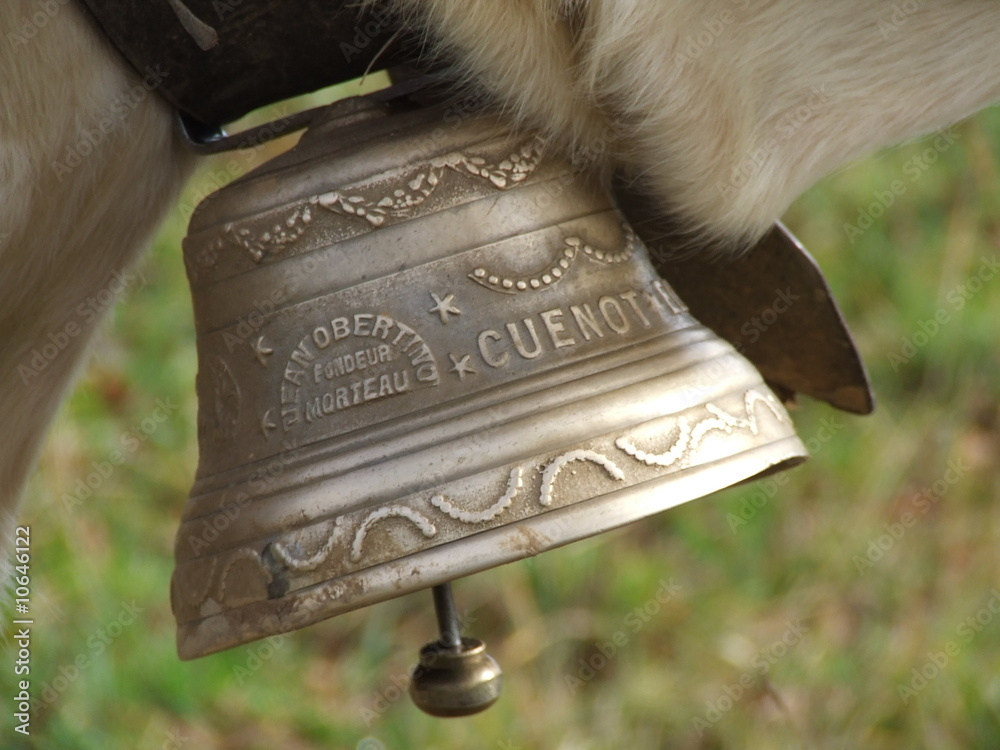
(427, 348)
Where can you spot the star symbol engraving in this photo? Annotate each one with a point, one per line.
(266, 424)
(262, 351)
(462, 366)
(444, 307)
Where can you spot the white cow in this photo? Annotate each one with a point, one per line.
(727, 109)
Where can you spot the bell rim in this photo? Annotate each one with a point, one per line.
(514, 541)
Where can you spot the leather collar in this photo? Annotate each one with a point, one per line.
(216, 60)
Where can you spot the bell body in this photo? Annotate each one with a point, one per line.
(427, 348)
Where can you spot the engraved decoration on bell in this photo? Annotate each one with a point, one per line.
(349, 361)
(558, 268)
(378, 200)
(574, 475)
(333, 547)
(396, 197)
(271, 239)
(572, 327)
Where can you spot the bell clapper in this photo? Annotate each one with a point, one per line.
(447, 617)
(455, 676)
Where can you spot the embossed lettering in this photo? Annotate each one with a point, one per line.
(289, 395)
(427, 373)
(313, 410)
(667, 296)
(321, 337)
(491, 358)
(585, 318)
(294, 375)
(405, 330)
(354, 393)
(613, 315)
(423, 355)
(382, 326)
(555, 328)
(370, 390)
(317, 361)
(341, 328)
(290, 416)
(345, 364)
(567, 327)
(629, 297)
(301, 356)
(362, 324)
(519, 344)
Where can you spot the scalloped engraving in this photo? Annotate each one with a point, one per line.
(418, 519)
(557, 464)
(271, 240)
(293, 561)
(557, 269)
(397, 200)
(488, 514)
(689, 438)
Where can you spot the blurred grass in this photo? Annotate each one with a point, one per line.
(672, 680)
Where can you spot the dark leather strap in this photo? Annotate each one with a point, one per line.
(216, 60)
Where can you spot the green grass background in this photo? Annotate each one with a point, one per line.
(834, 683)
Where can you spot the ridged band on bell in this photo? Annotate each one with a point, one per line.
(450, 354)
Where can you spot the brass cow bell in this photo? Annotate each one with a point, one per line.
(427, 348)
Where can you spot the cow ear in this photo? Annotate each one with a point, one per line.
(769, 300)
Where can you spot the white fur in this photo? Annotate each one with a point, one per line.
(728, 109)
(62, 235)
(687, 93)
